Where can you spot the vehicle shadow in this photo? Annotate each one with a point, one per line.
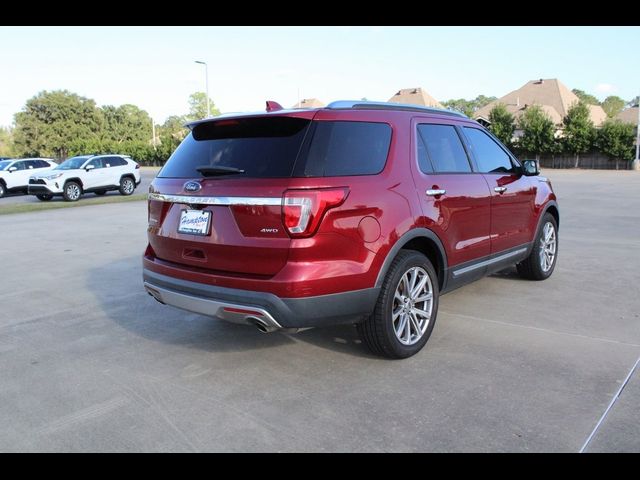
(118, 290)
(509, 273)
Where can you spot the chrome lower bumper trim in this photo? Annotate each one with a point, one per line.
(242, 314)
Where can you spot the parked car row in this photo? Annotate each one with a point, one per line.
(15, 173)
(45, 179)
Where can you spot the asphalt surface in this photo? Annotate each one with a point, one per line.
(147, 174)
(89, 362)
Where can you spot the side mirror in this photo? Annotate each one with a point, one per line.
(530, 168)
(12, 169)
(89, 167)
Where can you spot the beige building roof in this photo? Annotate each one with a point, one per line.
(629, 115)
(598, 115)
(415, 96)
(309, 103)
(551, 94)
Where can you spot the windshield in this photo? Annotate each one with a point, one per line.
(71, 163)
(4, 164)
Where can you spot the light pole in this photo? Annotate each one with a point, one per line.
(206, 81)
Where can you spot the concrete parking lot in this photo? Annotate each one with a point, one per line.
(89, 362)
(147, 174)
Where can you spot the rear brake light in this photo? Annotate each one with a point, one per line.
(156, 212)
(302, 210)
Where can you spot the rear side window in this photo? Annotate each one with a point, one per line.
(118, 162)
(264, 147)
(346, 148)
(443, 149)
(490, 156)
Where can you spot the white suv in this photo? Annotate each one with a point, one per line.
(15, 173)
(87, 173)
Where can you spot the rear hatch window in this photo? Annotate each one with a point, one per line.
(281, 147)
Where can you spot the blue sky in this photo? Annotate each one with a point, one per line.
(153, 67)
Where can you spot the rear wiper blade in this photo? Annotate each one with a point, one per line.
(207, 171)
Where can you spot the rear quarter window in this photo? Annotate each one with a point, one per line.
(340, 148)
(117, 162)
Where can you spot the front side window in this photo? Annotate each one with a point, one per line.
(491, 158)
(96, 162)
(72, 163)
(444, 149)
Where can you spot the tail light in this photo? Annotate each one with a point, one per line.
(303, 210)
(156, 212)
(137, 166)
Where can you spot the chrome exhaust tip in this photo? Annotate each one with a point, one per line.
(261, 325)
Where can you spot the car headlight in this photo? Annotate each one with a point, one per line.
(54, 176)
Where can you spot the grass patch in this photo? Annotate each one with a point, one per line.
(83, 202)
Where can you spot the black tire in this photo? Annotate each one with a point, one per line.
(72, 191)
(533, 267)
(44, 197)
(378, 330)
(3, 190)
(100, 192)
(127, 186)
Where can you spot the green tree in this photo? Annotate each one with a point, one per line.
(198, 106)
(51, 121)
(586, 97)
(174, 127)
(615, 139)
(6, 142)
(503, 123)
(538, 132)
(613, 105)
(126, 123)
(468, 107)
(579, 132)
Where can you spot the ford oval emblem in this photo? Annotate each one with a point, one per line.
(192, 187)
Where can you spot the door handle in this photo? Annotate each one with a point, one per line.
(436, 192)
(500, 190)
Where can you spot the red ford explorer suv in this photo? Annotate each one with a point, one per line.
(360, 213)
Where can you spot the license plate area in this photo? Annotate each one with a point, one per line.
(195, 222)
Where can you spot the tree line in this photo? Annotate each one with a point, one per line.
(60, 124)
(538, 132)
(578, 135)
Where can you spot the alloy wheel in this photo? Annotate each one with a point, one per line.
(548, 247)
(412, 306)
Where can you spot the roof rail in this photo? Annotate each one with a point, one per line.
(361, 105)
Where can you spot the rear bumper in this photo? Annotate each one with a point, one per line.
(241, 306)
